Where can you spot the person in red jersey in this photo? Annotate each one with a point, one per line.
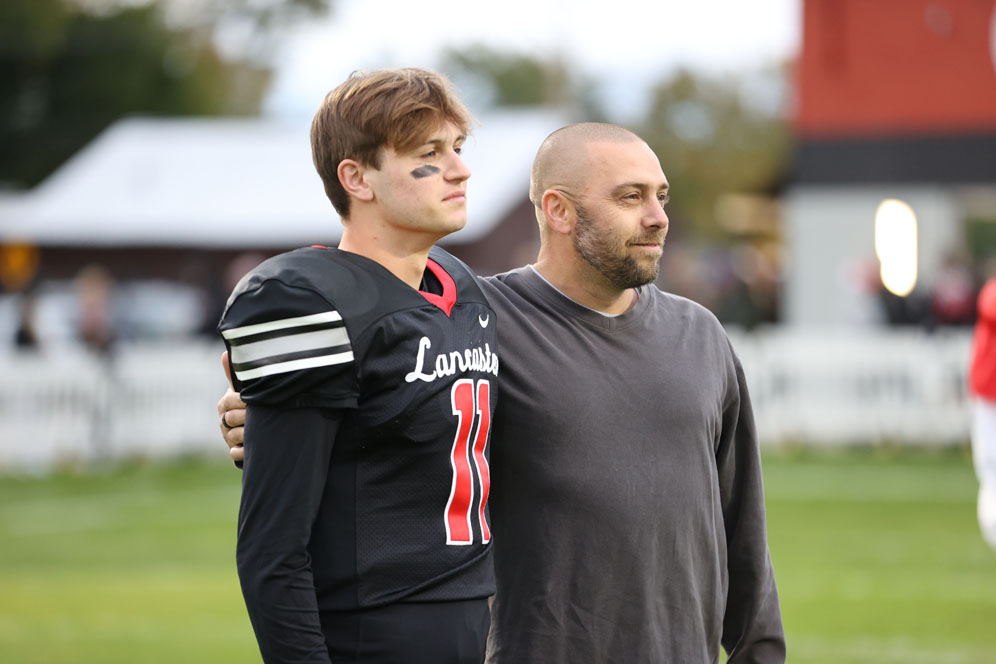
(982, 384)
(369, 380)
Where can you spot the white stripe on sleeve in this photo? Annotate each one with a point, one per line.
(292, 343)
(295, 365)
(324, 317)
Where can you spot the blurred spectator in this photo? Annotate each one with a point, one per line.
(912, 309)
(739, 284)
(862, 280)
(756, 285)
(237, 268)
(949, 300)
(982, 383)
(26, 336)
(952, 301)
(93, 291)
(205, 281)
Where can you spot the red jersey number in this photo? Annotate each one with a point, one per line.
(470, 402)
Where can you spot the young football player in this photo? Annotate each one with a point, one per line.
(369, 372)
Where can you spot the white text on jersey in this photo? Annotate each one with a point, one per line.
(447, 364)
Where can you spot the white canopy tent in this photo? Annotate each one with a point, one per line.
(237, 183)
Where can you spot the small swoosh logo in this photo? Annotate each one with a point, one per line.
(484, 320)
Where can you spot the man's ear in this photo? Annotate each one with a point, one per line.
(353, 178)
(558, 210)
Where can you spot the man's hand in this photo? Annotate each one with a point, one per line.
(232, 417)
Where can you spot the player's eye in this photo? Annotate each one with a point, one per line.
(664, 199)
(458, 149)
(431, 154)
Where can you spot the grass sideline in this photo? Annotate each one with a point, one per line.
(876, 552)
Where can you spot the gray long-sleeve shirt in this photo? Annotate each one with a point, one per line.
(627, 501)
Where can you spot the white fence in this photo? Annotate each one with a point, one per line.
(144, 401)
(806, 387)
(859, 386)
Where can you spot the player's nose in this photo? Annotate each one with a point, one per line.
(457, 169)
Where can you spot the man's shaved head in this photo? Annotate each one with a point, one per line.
(562, 160)
(599, 194)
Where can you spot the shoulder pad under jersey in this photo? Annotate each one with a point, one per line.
(287, 340)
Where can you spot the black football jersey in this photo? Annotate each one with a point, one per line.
(413, 373)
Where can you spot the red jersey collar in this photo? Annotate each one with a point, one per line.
(444, 301)
(449, 296)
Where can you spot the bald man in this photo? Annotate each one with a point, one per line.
(627, 502)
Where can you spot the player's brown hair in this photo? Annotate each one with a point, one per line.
(395, 108)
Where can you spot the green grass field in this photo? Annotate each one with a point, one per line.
(877, 558)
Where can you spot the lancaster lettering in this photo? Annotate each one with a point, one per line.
(448, 364)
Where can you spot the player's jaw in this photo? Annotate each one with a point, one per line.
(441, 215)
(452, 210)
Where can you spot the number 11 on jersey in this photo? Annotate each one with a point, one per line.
(470, 402)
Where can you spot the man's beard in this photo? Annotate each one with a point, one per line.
(610, 259)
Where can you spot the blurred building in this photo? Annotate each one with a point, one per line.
(896, 100)
(186, 206)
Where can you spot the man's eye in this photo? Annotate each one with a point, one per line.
(458, 150)
(664, 199)
(632, 197)
(431, 154)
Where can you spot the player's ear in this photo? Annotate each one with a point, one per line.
(353, 178)
(558, 210)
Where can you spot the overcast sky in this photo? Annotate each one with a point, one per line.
(626, 45)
